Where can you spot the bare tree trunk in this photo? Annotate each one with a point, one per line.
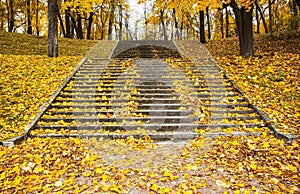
(52, 28)
(181, 30)
(270, 16)
(67, 21)
(37, 18)
(222, 22)
(208, 23)
(73, 27)
(257, 20)
(243, 19)
(175, 24)
(89, 27)
(61, 23)
(202, 26)
(128, 33)
(111, 19)
(226, 23)
(11, 16)
(262, 17)
(2, 15)
(294, 11)
(162, 21)
(78, 27)
(120, 22)
(29, 28)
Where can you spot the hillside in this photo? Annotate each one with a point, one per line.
(270, 78)
(23, 44)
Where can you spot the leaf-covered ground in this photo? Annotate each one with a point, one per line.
(251, 164)
(28, 77)
(229, 165)
(270, 78)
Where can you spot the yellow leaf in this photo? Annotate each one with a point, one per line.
(26, 117)
(77, 141)
(104, 98)
(236, 192)
(235, 142)
(246, 84)
(253, 166)
(165, 190)
(192, 167)
(99, 171)
(38, 169)
(154, 187)
(2, 176)
(167, 173)
(17, 180)
(105, 188)
(115, 188)
(292, 168)
(104, 177)
(266, 145)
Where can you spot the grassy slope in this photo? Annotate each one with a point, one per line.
(22, 44)
(270, 78)
(28, 77)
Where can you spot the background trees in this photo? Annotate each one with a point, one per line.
(164, 20)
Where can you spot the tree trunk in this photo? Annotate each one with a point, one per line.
(11, 16)
(257, 20)
(37, 18)
(175, 24)
(29, 28)
(61, 23)
(208, 23)
(78, 27)
(2, 15)
(73, 27)
(162, 21)
(294, 11)
(226, 23)
(111, 19)
(67, 21)
(202, 26)
(89, 27)
(120, 22)
(270, 16)
(222, 22)
(243, 18)
(52, 28)
(262, 17)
